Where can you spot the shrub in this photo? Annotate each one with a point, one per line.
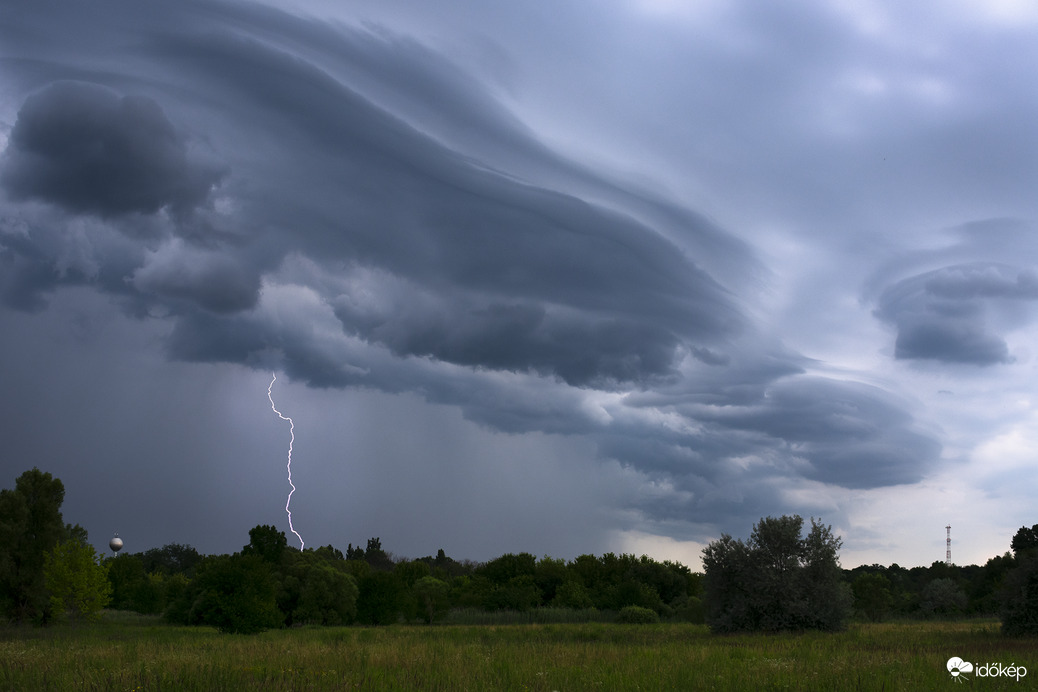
(235, 593)
(327, 597)
(636, 615)
(77, 584)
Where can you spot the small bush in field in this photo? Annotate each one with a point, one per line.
(636, 615)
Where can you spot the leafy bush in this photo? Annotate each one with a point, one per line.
(327, 597)
(77, 584)
(235, 593)
(690, 609)
(636, 615)
(314, 588)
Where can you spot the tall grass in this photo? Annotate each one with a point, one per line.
(139, 653)
(535, 616)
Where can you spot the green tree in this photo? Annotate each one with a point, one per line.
(503, 569)
(380, 598)
(234, 593)
(872, 597)
(444, 567)
(327, 596)
(329, 553)
(1019, 610)
(411, 571)
(150, 596)
(572, 594)
(984, 595)
(510, 583)
(549, 574)
(30, 526)
(267, 543)
(433, 597)
(375, 556)
(179, 592)
(670, 580)
(1025, 540)
(631, 592)
(942, 597)
(826, 599)
(518, 593)
(127, 576)
(172, 558)
(315, 588)
(777, 580)
(77, 584)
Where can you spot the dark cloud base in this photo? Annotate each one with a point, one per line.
(368, 215)
(85, 149)
(947, 314)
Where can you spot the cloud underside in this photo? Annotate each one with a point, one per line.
(88, 150)
(957, 314)
(287, 195)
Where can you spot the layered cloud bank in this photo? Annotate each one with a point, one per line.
(348, 203)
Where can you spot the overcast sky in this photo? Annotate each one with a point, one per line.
(566, 277)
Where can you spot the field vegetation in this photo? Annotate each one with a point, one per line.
(126, 651)
(775, 611)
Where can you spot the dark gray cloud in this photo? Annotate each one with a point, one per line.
(26, 269)
(43, 249)
(953, 314)
(950, 341)
(348, 204)
(89, 150)
(983, 281)
(850, 434)
(205, 278)
(522, 276)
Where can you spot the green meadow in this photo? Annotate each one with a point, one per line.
(129, 652)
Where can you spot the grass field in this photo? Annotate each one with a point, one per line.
(129, 652)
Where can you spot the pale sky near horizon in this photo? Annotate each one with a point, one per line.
(558, 277)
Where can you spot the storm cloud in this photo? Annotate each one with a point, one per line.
(89, 150)
(366, 208)
(954, 313)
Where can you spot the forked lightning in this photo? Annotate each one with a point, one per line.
(292, 432)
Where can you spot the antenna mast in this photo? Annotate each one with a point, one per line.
(947, 554)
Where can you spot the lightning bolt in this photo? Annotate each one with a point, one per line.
(292, 432)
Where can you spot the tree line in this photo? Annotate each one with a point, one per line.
(779, 579)
(270, 584)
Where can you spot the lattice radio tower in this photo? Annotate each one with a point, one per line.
(947, 554)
